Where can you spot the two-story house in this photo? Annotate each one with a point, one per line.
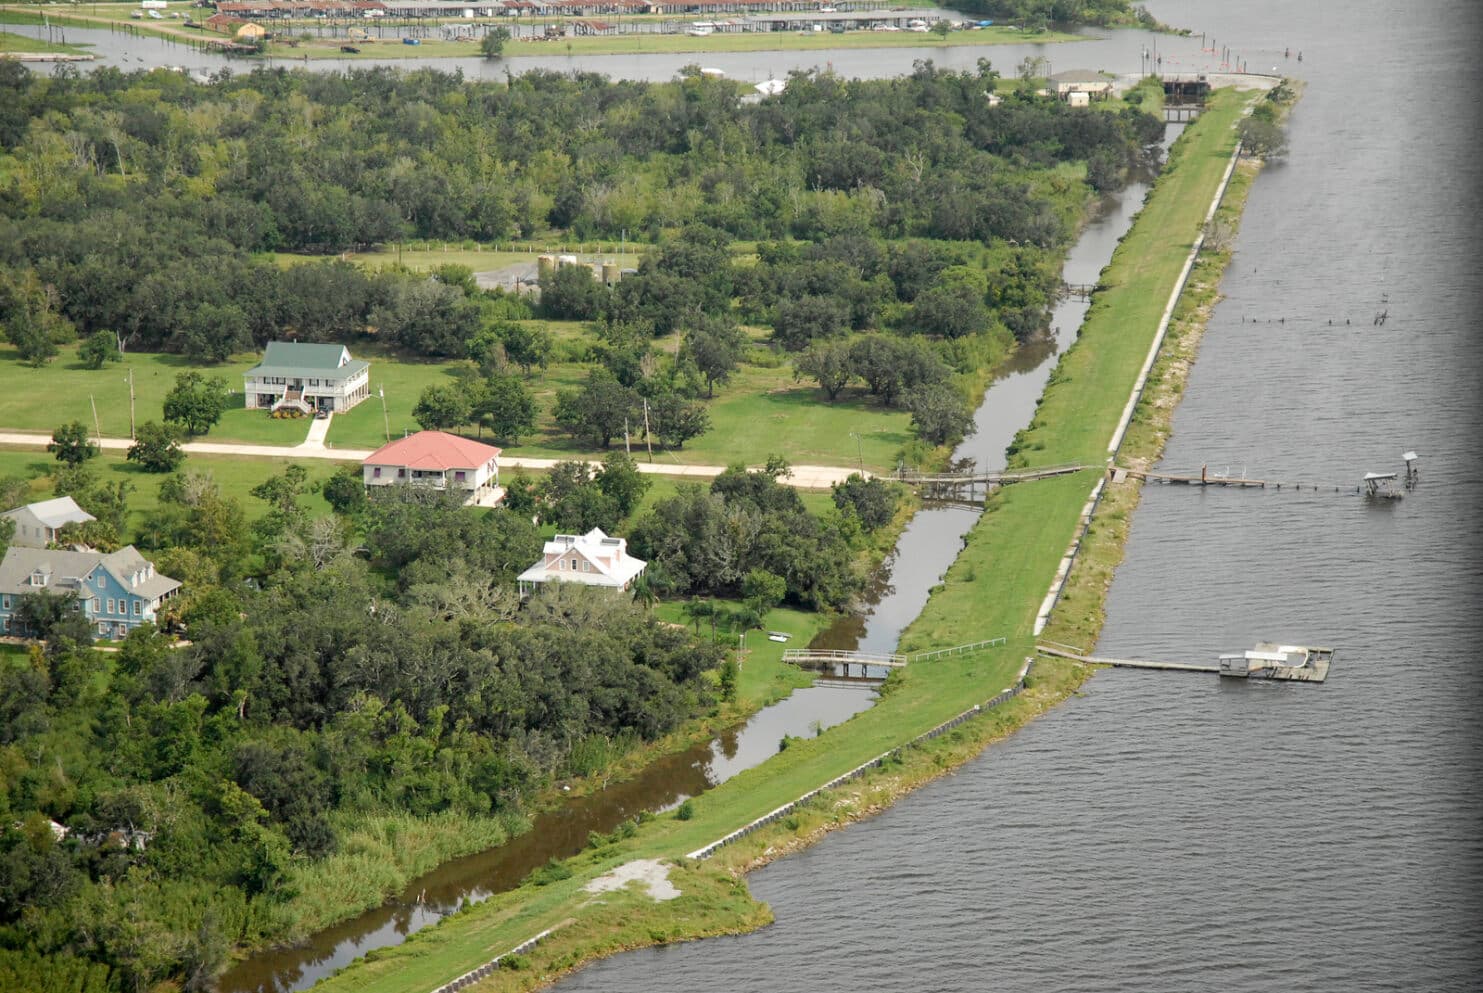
(440, 461)
(116, 591)
(307, 376)
(37, 524)
(592, 559)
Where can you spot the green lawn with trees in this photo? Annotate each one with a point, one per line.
(865, 251)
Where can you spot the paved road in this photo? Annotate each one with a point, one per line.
(805, 477)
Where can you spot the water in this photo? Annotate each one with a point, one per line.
(1176, 832)
(934, 536)
(926, 548)
(1119, 50)
(660, 786)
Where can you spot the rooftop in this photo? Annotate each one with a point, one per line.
(433, 450)
(55, 513)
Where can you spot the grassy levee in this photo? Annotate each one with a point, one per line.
(994, 588)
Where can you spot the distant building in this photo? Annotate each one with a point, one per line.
(116, 591)
(592, 559)
(439, 461)
(308, 377)
(37, 524)
(1091, 86)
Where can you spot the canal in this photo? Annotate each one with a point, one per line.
(1169, 832)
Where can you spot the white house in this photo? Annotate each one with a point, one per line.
(307, 376)
(593, 559)
(1077, 86)
(441, 461)
(37, 524)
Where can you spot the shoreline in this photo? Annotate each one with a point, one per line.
(642, 922)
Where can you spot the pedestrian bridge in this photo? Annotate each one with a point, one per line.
(834, 656)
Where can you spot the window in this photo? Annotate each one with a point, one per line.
(5, 601)
(376, 472)
(102, 628)
(100, 582)
(574, 565)
(110, 605)
(586, 566)
(458, 475)
(313, 382)
(138, 608)
(401, 474)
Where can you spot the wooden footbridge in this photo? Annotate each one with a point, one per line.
(953, 484)
(830, 657)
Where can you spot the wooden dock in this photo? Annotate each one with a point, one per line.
(1125, 663)
(1119, 474)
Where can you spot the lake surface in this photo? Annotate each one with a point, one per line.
(1170, 831)
(1119, 51)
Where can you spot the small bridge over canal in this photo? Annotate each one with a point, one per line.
(842, 661)
(953, 485)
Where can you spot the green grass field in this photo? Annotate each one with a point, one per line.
(236, 476)
(993, 589)
(25, 44)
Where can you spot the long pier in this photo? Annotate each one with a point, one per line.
(1119, 474)
(1125, 663)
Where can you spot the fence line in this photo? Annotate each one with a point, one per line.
(1008, 693)
(957, 650)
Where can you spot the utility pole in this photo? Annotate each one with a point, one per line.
(381, 391)
(626, 449)
(131, 403)
(648, 441)
(96, 428)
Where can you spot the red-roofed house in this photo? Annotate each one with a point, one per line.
(441, 461)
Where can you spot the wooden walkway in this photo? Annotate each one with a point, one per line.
(983, 478)
(1120, 473)
(836, 656)
(1125, 663)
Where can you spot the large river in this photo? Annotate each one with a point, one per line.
(1167, 831)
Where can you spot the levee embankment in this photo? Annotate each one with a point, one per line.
(994, 588)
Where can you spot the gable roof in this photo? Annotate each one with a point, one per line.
(69, 569)
(55, 513)
(294, 358)
(595, 547)
(433, 451)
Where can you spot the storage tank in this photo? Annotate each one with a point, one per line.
(545, 265)
(566, 260)
(610, 273)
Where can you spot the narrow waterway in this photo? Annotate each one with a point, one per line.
(934, 536)
(1171, 831)
(927, 546)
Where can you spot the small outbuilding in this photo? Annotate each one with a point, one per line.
(37, 524)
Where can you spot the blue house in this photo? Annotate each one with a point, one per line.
(116, 591)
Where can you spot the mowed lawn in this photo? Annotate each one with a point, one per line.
(993, 589)
(235, 475)
(64, 390)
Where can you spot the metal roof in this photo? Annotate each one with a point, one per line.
(55, 513)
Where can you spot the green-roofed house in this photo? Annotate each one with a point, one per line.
(307, 376)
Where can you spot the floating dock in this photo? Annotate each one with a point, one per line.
(1285, 663)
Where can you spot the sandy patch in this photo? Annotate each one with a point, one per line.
(653, 873)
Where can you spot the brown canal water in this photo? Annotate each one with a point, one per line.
(935, 535)
(558, 834)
